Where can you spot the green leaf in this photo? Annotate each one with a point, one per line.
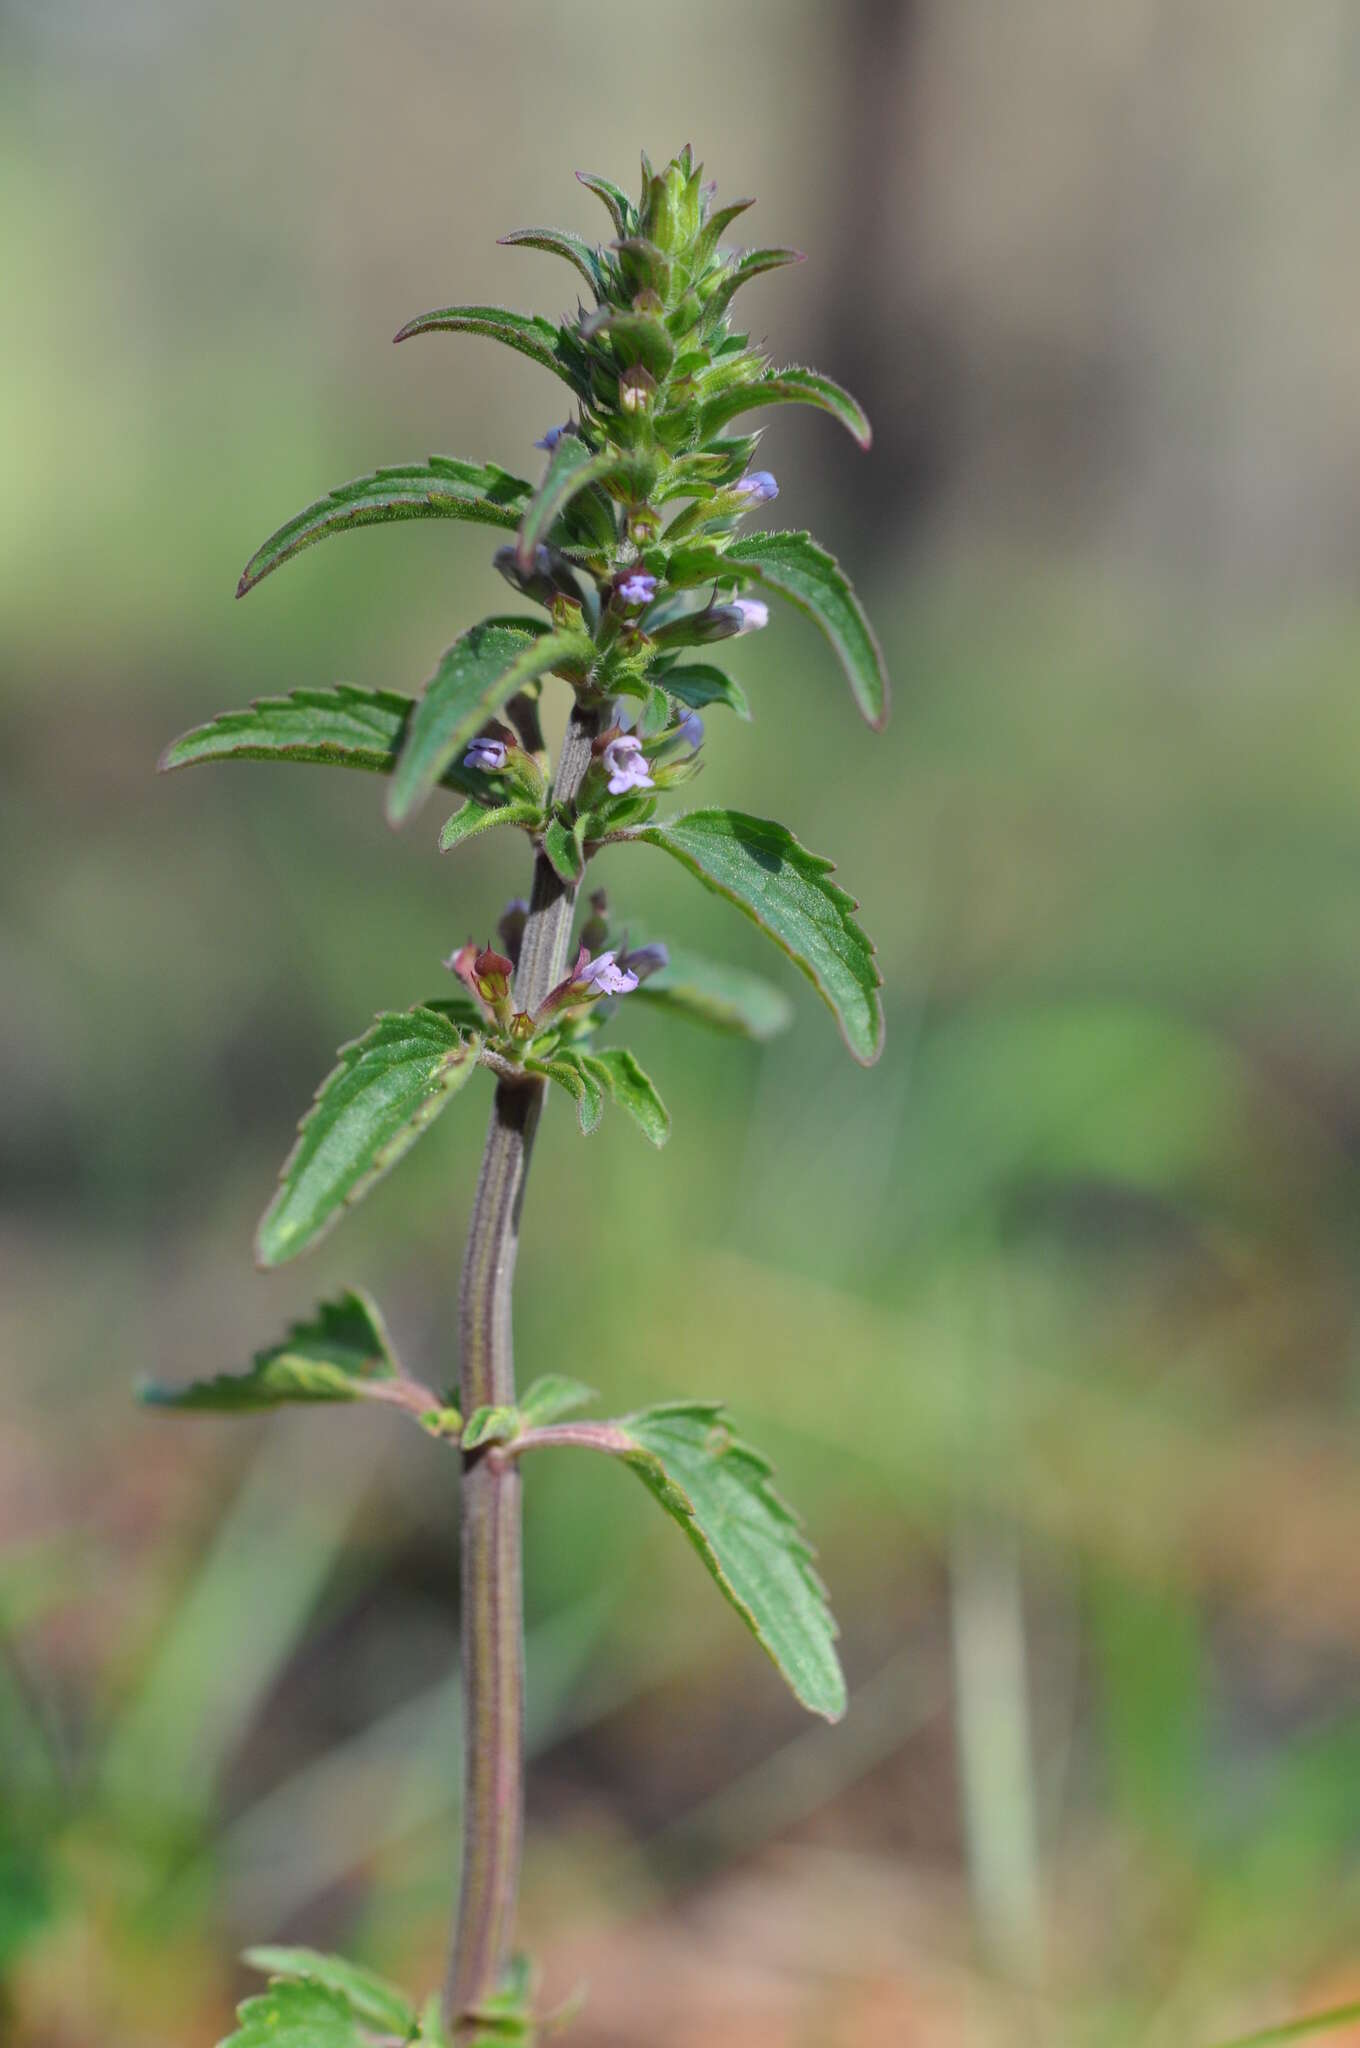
(572, 468)
(632, 1089)
(439, 488)
(813, 581)
(1299, 2030)
(389, 1085)
(344, 727)
(699, 684)
(296, 2015)
(751, 263)
(621, 209)
(460, 1009)
(794, 386)
(490, 1426)
(719, 1491)
(761, 868)
(475, 678)
(538, 339)
(724, 998)
(337, 1355)
(560, 242)
(562, 844)
(369, 1997)
(475, 818)
(551, 1397)
(570, 1071)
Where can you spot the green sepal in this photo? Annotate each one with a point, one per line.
(636, 338)
(561, 242)
(370, 1998)
(296, 2014)
(387, 1088)
(709, 992)
(439, 488)
(531, 336)
(794, 386)
(813, 581)
(698, 684)
(569, 1070)
(474, 818)
(341, 727)
(562, 845)
(552, 1396)
(634, 1091)
(339, 1354)
(475, 678)
(761, 868)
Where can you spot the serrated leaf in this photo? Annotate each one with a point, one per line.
(345, 727)
(370, 1998)
(388, 1087)
(567, 1069)
(460, 1009)
(560, 242)
(338, 1354)
(699, 684)
(761, 868)
(475, 678)
(572, 468)
(295, 2015)
(490, 1426)
(562, 845)
(634, 1091)
(475, 818)
(814, 582)
(440, 488)
(531, 336)
(794, 386)
(551, 1397)
(724, 998)
(719, 1491)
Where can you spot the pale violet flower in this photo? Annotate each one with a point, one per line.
(626, 765)
(603, 976)
(752, 613)
(758, 487)
(691, 731)
(645, 960)
(554, 434)
(637, 587)
(485, 754)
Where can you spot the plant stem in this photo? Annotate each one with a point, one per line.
(492, 1578)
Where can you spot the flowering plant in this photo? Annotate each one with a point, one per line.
(631, 546)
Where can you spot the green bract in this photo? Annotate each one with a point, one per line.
(630, 548)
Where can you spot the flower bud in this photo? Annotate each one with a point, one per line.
(691, 731)
(757, 487)
(550, 440)
(637, 389)
(486, 754)
(644, 960)
(486, 975)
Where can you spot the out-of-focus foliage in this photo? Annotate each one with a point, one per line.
(1048, 1322)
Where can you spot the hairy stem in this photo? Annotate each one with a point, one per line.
(492, 1589)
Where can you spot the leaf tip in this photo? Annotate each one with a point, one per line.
(245, 582)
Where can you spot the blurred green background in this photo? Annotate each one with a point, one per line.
(1050, 1320)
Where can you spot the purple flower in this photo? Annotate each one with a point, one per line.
(644, 960)
(626, 766)
(553, 436)
(603, 976)
(752, 613)
(485, 754)
(757, 487)
(637, 587)
(691, 731)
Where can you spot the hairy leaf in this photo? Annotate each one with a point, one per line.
(560, 242)
(370, 1998)
(621, 209)
(782, 887)
(388, 1086)
(699, 684)
(460, 1009)
(794, 386)
(439, 488)
(475, 678)
(722, 997)
(571, 469)
(344, 727)
(752, 263)
(562, 844)
(570, 1071)
(475, 818)
(551, 1397)
(538, 339)
(813, 581)
(490, 1426)
(339, 1354)
(633, 1090)
(296, 2015)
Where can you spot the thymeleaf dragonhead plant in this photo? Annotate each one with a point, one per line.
(631, 546)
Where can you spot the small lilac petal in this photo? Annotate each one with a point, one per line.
(554, 434)
(691, 731)
(758, 487)
(485, 754)
(637, 587)
(626, 765)
(604, 977)
(752, 613)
